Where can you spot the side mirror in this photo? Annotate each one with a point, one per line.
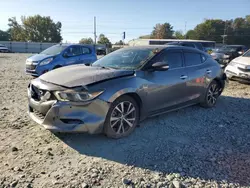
(240, 52)
(160, 66)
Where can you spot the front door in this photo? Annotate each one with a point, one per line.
(168, 88)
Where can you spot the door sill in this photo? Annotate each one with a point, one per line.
(170, 109)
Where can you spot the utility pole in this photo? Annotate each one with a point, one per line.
(185, 30)
(123, 38)
(95, 30)
(224, 35)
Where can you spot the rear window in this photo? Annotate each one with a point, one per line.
(86, 50)
(192, 58)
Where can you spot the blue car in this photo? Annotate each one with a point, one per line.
(58, 56)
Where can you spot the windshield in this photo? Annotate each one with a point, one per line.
(53, 50)
(125, 58)
(247, 54)
(227, 49)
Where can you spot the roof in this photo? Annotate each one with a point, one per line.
(235, 45)
(70, 44)
(161, 47)
(181, 40)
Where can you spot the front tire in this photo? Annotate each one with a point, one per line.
(212, 94)
(122, 117)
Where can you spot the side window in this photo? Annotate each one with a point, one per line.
(173, 59)
(199, 46)
(239, 49)
(75, 50)
(85, 50)
(192, 59)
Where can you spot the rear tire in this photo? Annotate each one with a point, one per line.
(212, 94)
(122, 117)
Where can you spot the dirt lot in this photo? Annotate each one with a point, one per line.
(193, 147)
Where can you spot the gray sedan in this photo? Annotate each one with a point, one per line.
(123, 88)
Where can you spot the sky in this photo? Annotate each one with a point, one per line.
(113, 17)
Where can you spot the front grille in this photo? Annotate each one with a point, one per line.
(244, 70)
(39, 94)
(31, 67)
(38, 114)
(36, 93)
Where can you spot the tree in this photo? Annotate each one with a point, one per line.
(36, 29)
(4, 36)
(211, 29)
(86, 41)
(119, 43)
(162, 31)
(179, 35)
(16, 30)
(191, 34)
(237, 31)
(104, 40)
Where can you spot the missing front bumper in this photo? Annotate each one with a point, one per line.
(68, 117)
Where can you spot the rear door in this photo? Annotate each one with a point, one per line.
(198, 70)
(75, 53)
(87, 56)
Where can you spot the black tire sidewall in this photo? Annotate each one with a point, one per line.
(107, 128)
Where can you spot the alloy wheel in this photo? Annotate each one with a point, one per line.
(213, 94)
(123, 117)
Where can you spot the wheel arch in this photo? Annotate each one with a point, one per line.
(221, 81)
(131, 93)
(57, 66)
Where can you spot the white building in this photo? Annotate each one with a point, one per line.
(145, 42)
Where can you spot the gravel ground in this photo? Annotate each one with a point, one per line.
(192, 147)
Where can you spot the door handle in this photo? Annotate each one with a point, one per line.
(183, 77)
(209, 71)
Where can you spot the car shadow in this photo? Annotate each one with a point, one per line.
(195, 142)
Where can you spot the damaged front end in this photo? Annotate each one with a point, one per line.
(62, 109)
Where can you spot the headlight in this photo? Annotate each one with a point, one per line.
(28, 62)
(226, 56)
(75, 96)
(46, 61)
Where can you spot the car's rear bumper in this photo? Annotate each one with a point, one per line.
(68, 117)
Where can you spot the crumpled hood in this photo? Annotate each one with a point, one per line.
(81, 75)
(38, 57)
(242, 60)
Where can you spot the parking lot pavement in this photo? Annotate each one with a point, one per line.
(192, 147)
